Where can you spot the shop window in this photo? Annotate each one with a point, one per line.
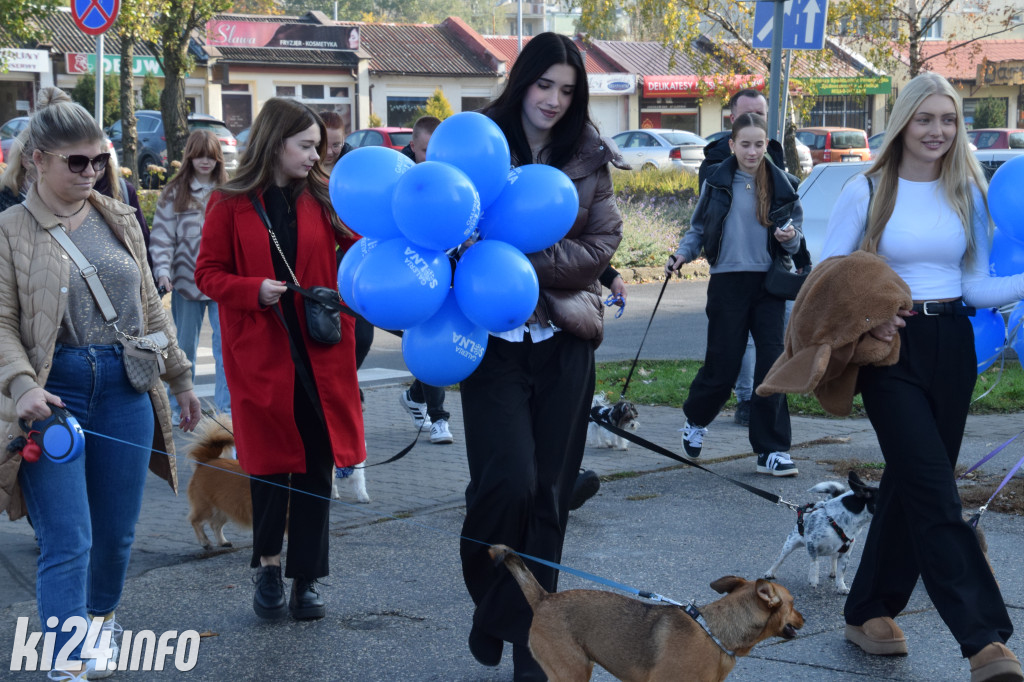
(403, 111)
(841, 111)
(338, 92)
(285, 91)
(474, 103)
(312, 92)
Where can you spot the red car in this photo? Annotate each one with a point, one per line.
(396, 138)
(997, 138)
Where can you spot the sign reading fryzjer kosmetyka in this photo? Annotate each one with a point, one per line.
(230, 33)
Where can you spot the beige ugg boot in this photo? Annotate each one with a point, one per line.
(878, 636)
(995, 663)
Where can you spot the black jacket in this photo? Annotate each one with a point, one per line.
(716, 205)
(718, 151)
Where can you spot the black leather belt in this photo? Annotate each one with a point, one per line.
(932, 308)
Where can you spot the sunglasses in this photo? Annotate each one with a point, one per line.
(78, 162)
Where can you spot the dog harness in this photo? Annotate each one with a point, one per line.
(847, 542)
(601, 414)
(692, 611)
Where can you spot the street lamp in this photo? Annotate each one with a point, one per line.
(519, 18)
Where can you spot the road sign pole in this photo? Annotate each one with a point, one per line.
(776, 70)
(785, 97)
(99, 79)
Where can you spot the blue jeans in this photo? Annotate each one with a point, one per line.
(745, 383)
(188, 318)
(84, 512)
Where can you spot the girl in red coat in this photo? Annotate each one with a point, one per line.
(295, 401)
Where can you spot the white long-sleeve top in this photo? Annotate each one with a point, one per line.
(924, 243)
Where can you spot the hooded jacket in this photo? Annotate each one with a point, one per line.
(568, 271)
(34, 276)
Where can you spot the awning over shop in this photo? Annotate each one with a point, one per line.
(697, 86)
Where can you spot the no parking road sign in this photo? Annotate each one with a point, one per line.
(95, 16)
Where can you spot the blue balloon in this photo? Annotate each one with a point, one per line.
(352, 259)
(399, 285)
(1005, 199)
(496, 286)
(362, 186)
(1015, 330)
(445, 349)
(1007, 255)
(475, 145)
(436, 206)
(989, 336)
(534, 211)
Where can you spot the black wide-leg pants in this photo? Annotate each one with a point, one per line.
(918, 408)
(525, 410)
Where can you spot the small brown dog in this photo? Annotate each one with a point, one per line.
(638, 642)
(219, 489)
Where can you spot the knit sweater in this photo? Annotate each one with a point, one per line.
(174, 241)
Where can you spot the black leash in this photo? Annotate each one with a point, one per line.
(654, 447)
(629, 376)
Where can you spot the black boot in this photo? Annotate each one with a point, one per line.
(268, 600)
(525, 667)
(586, 486)
(306, 603)
(485, 648)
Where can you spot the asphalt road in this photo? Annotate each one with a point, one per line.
(679, 329)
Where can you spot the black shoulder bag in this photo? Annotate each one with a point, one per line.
(322, 304)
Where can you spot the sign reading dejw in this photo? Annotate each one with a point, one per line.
(94, 16)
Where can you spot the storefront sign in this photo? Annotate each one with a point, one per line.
(698, 86)
(1006, 72)
(29, 61)
(85, 62)
(854, 85)
(611, 83)
(268, 34)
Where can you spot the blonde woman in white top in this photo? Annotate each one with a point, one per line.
(925, 212)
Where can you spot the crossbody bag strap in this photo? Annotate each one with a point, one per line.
(89, 273)
(262, 213)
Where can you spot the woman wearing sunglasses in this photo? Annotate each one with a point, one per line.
(56, 348)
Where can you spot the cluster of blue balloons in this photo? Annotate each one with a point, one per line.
(1006, 206)
(400, 275)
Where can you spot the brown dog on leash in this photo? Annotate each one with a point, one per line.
(219, 489)
(638, 642)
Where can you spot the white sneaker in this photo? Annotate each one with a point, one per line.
(112, 632)
(693, 440)
(776, 464)
(440, 434)
(418, 411)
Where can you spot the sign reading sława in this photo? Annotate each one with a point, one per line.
(230, 33)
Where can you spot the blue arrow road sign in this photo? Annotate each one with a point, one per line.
(803, 27)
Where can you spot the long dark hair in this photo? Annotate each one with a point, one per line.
(540, 54)
(279, 119)
(200, 143)
(762, 178)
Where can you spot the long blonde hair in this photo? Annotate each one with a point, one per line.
(959, 168)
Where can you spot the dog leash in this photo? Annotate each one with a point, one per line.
(632, 367)
(690, 607)
(654, 447)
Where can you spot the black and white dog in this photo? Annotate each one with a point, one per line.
(622, 414)
(829, 528)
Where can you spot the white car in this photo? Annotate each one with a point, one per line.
(661, 148)
(819, 191)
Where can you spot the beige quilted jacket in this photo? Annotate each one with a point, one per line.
(34, 274)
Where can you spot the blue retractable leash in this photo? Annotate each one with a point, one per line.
(59, 437)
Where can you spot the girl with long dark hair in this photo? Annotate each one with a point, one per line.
(525, 408)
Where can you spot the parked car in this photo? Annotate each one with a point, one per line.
(396, 138)
(242, 139)
(819, 191)
(997, 138)
(828, 144)
(9, 131)
(152, 143)
(875, 142)
(661, 148)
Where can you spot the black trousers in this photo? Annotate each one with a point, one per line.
(738, 305)
(302, 501)
(433, 396)
(525, 410)
(918, 409)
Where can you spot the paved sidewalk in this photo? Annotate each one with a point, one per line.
(397, 606)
